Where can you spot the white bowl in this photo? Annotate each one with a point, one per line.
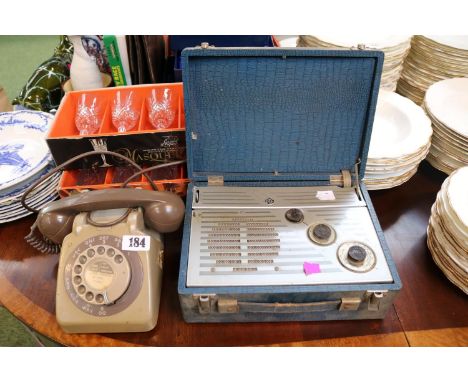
(400, 127)
(447, 101)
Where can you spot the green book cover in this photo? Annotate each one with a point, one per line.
(115, 62)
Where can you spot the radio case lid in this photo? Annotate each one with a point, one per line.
(278, 114)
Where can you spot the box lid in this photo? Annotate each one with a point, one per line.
(278, 114)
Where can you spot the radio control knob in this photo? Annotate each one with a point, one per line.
(322, 232)
(294, 215)
(357, 254)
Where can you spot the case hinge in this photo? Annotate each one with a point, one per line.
(346, 178)
(204, 302)
(215, 180)
(374, 297)
(206, 45)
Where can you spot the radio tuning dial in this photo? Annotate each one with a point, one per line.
(294, 215)
(322, 232)
(357, 254)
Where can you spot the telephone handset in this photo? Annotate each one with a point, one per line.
(163, 211)
(110, 266)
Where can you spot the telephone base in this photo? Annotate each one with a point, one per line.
(104, 327)
(103, 287)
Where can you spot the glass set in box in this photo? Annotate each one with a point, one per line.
(144, 123)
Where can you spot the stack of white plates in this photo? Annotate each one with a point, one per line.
(447, 233)
(446, 103)
(395, 48)
(287, 41)
(432, 59)
(24, 158)
(401, 137)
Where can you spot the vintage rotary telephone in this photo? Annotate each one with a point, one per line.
(110, 267)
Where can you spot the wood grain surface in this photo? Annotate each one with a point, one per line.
(438, 337)
(427, 303)
(392, 339)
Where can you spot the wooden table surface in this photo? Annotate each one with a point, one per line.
(429, 311)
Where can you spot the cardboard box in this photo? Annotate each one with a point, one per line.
(73, 181)
(143, 144)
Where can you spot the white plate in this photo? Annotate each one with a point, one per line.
(33, 202)
(287, 41)
(447, 101)
(43, 192)
(381, 184)
(457, 193)
(390, 174)
(23, 150)
(452, 223)
(375, 42)
(400, 127)
(25, 212)
(456, 41)
(38, 205)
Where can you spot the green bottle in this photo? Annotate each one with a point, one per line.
(43, 91)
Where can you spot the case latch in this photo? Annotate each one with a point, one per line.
(228, 305)
(350, 303)
(374, 299)
(215, 180)
(204, 303)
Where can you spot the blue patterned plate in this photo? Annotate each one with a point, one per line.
(15, 210)
(51, 182)
(22, 213)
(23, 149)
(32, 202)
(10, 194)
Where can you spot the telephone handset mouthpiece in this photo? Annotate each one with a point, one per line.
(163, 211)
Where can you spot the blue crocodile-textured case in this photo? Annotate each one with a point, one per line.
(279, 117)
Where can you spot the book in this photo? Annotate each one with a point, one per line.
(115, 60)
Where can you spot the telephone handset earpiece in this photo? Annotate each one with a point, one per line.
(55, 225)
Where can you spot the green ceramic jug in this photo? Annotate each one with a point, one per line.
(43, 91)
